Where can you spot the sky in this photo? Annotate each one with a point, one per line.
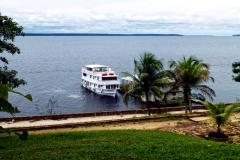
(187, 17)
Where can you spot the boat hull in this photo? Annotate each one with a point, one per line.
(104, 92)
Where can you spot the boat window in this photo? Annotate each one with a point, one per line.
(109, 78)
(84, 74)
(97, 78)
(89, 69)
(90, 76)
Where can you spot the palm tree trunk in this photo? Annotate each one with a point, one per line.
(189, 101)
(185, 99)
(219, 131)
(186, 108)
(148, 107)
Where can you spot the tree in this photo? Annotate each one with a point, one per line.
(220, 112)
(148, 77)
(9, 29)
(190, 74)
(236, 70)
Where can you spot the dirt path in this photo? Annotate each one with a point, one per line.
(143, 125)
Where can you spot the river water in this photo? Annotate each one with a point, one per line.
(52, 67)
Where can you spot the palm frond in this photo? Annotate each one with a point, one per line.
(135, 92)
(172, 64)
(205, 90)
(144, 75)
(213, 109)
(230, 109)
(127, 74)
(157, 92)
(162, 83)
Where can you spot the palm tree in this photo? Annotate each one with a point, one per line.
(190, 74)
(149, 78)
(220, 112)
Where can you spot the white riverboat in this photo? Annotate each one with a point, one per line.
(100, 79)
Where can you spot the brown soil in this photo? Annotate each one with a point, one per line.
(186, 127)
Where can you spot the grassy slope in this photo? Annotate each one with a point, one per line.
(126, 144)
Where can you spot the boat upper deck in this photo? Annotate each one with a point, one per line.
(98, 70)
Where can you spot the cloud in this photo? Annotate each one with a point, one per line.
(125, 16)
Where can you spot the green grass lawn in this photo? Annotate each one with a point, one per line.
(120, 144)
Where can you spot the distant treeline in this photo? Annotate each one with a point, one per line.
(97, 34)
(236, 35)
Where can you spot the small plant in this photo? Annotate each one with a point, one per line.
(220, 112)
(50, 108)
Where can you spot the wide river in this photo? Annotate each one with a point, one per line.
(52, 67)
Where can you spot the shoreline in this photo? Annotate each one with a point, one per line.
(91, 121)
(72, 122)
(94, 114)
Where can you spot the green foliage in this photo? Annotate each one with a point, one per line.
(220, 112)
(148, 77)
(190, 73)
(8, 30)
(8, 77)
(236, 70)
(5, 106)
(120, 144)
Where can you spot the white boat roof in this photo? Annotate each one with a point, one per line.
(127, 78)
(96, 66)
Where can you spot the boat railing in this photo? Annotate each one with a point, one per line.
(109, 82)
(99, 73)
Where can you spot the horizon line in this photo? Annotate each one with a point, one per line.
(119, 34)
(101, 34)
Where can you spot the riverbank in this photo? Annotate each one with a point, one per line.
(89, 121)
(103, 113)
(83, 119)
